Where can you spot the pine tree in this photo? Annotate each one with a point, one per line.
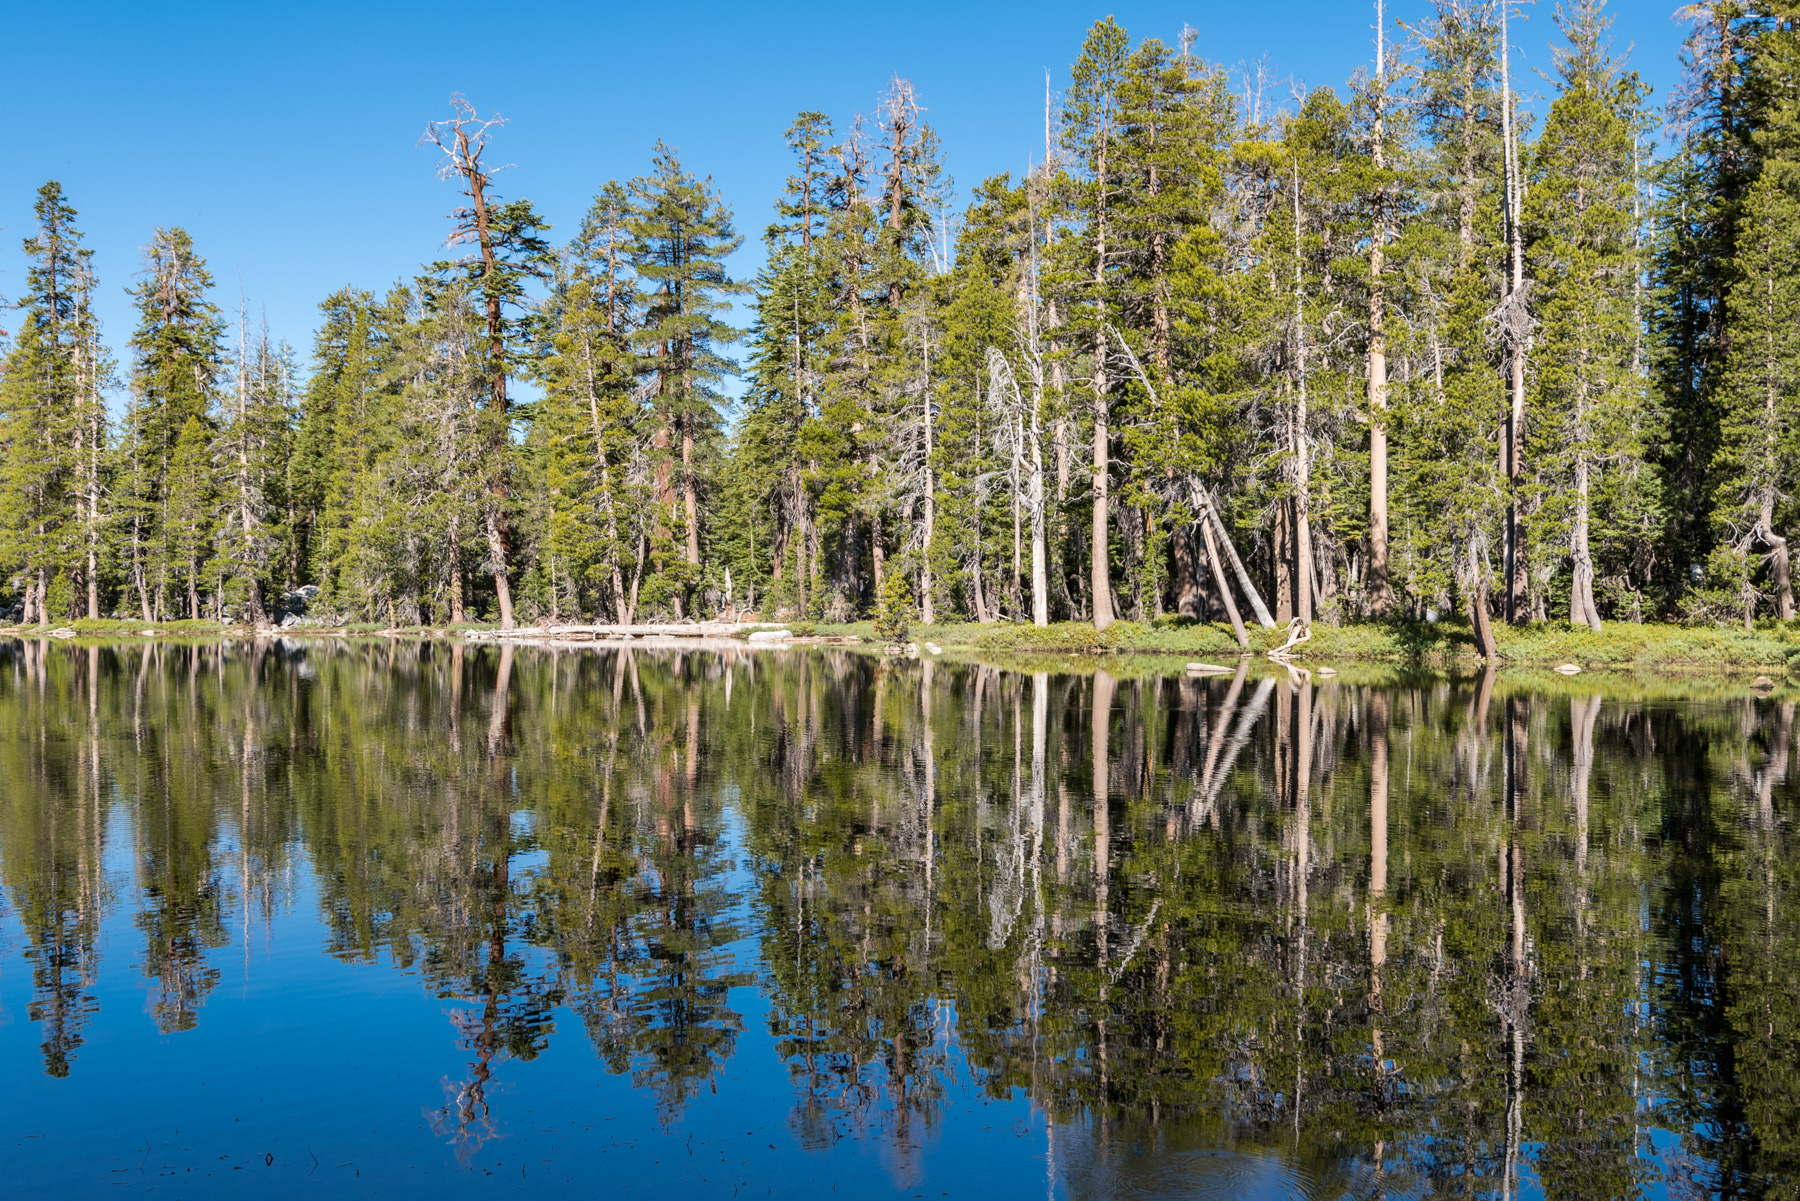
(177, 358)
(1091, 124)
(510, 252)
(1759, 460)
(1593, 415)
(53, 415)
(680, 234)
(589, 421)
(190, 513)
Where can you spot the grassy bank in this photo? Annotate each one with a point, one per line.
(1772, 647)
(1620, 646)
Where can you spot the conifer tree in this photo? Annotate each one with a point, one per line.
(510, 251)
(52, 413)
(589, 420)
(680, 234)
(177, 357)
(1759, 467)
(1592, 405)
(1091, 124)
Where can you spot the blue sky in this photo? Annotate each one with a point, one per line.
(284, 136)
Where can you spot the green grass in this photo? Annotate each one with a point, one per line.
(1621, 646)
(109, 625)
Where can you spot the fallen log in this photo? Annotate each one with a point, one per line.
(673, 629)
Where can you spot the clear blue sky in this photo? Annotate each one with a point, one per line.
(284, 136)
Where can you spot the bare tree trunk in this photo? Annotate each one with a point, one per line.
(691, 489)
(1187, 575)
(1231, 609)
(1485, 646)
(1582, 611)
(1099, 567)
(1515, 341)
(978, 593)
(1281, 555)
(1381, 596)
(1303, 608)
(1040, 556)
(1779, 561)
(458, 615)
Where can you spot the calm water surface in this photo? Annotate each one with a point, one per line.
(415, 920)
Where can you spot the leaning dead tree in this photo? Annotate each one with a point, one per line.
(1212, 529)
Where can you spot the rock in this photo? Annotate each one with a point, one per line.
(307, 592)
(770, 635)
(1569, 669)
(1762, 683)
(290, 621)
(912, 650)
(148, 633)
(64, 632)
(1207, 669)
(893, 648)
(1327, 672)
(934, 648)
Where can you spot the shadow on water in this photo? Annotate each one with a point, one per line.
(915, 926)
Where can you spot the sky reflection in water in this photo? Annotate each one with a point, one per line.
(414, 919)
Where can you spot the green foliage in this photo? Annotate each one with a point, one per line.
(894, 614)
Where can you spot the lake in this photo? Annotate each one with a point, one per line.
(415, 919)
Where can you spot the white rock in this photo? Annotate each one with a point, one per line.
(1207, 669)
(1569, 669)
(770, 635)
(1327, 672)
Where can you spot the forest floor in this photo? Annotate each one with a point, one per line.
(1772, 646)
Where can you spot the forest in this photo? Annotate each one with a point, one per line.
(1227, 351)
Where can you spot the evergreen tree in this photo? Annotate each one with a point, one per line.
(588, 422)
(177, 357)
(53, 419)
(680, 234)
(1759, 460)
(510, 252)
(1594, 415)
(1091, 129)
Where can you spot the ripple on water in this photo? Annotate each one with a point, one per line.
(1200, 1174)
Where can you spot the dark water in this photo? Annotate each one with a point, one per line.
(418, 921)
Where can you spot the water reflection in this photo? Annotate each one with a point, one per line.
(1249, 933)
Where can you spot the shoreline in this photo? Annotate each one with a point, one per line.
(1772, 649)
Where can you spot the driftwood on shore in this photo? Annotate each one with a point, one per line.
(768, 631)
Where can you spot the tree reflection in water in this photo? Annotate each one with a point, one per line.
(1384, 935)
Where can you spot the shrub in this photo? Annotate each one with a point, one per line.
(893, 609)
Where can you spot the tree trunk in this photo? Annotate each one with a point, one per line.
(1485, 646)
(1779, 562)
(1281, 555)
(496, 539)
(1218, 572)
(1514, 340)
(1380, 595)
(691, 489)
(1099, 565)
(458, 614)
(1582, 611)
(1188, 598)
